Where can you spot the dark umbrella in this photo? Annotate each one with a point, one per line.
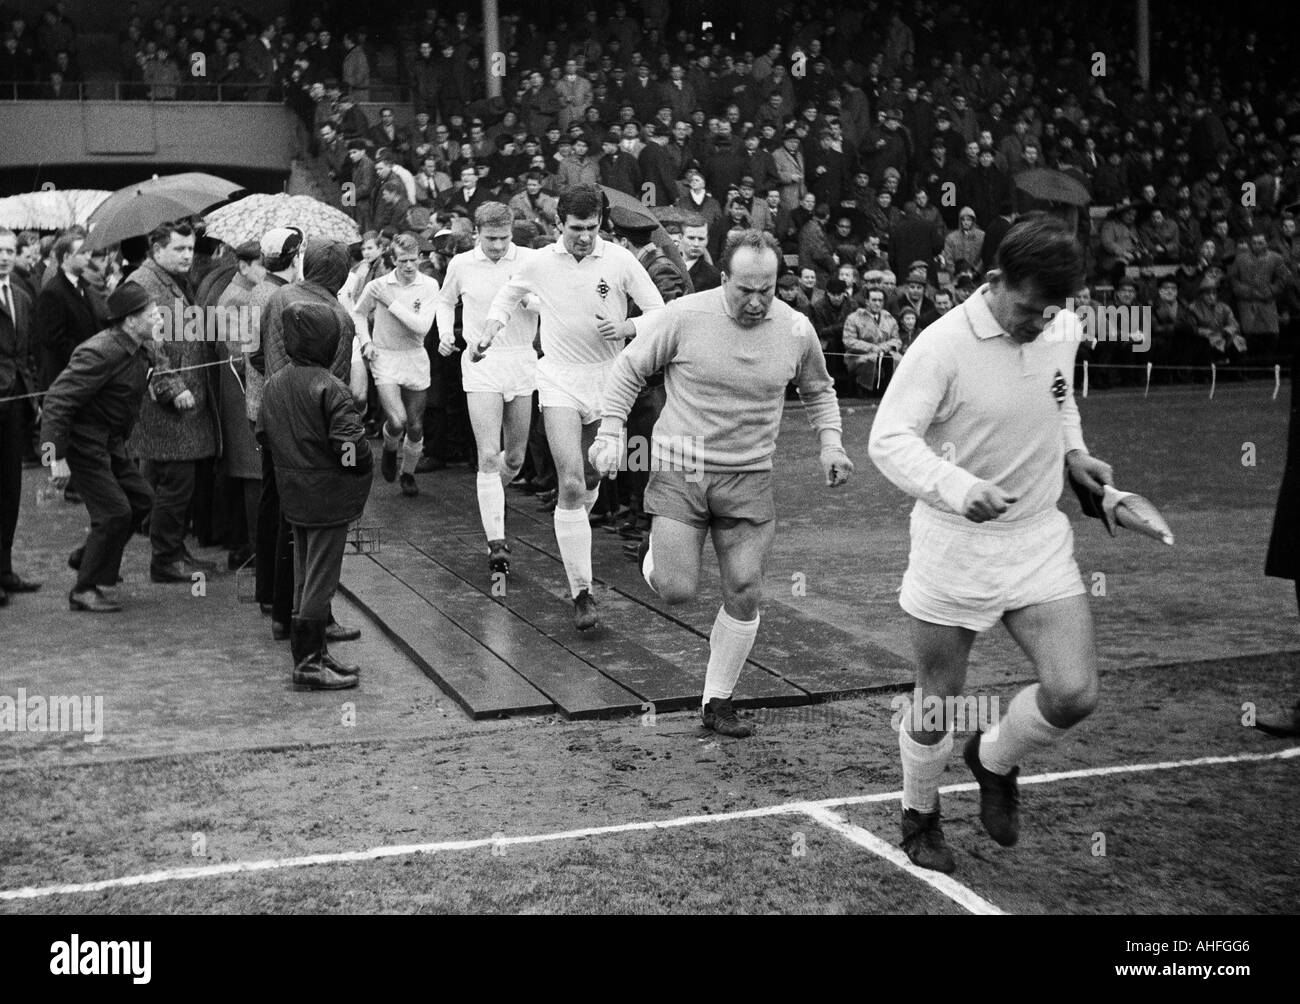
(1052, 186)
(137, 209)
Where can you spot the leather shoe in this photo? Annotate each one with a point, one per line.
(198, 564)
(176, 571)
(74, 559)
(337, 632)
(425, 465)
(91, 601)
(280, 630)
(12, 583)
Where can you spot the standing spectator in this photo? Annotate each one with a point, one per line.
(815, 249)
(578, 168)
(65, 311)
(1159, 235)
(89, 413)
(365, 181)
(694, 244)
(355, 68)
(386, 136)
(324, 469)
(619, 168)
(790, 170)
(424, 81)
(830, 309)
(17, 378)
(657, 170)
(574, 94)
(241, 459)
(178, 420)
(539, 105)
(965, 245)
(261, 62)
(1258, 279)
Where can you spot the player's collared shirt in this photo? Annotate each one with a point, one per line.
(725, 383)
(970, 404)
(474, 279)
(403, 325)
(572, 295)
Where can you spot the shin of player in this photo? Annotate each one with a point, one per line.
(711, 470)
(991, 381)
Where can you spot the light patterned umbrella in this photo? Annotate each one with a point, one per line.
(53, 209)
(251, 217)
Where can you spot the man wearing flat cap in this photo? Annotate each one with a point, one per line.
(89, 412)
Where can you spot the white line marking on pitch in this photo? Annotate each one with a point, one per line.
(963, 896)
(402, 850)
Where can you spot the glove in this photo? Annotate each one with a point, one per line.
(606, 455)
(836, 465)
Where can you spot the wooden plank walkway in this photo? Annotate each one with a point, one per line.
(515, 650)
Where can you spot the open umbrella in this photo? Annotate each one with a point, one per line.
(137, 209)
(1052, 186)
(53, 209)
(252, 216)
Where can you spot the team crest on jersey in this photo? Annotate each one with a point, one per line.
(1060, 390)
(416, 306)
(602, 287)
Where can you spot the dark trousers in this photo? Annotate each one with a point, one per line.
(274, 548)
(173, 488)
(318, 562)
(12, 423)
(118, 498)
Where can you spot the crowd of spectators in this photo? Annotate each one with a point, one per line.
(873, 140)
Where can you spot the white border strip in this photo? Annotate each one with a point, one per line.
(964, 897)
(402, 850)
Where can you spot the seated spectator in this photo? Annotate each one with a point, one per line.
(431, 184)
(869, 334)
(1175, 340)
(830, 309)
(1159, 235)
(1216, 324)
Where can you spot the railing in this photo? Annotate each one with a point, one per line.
(186, 90)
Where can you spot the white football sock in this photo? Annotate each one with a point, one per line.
(492, 505)
(573, 534)
(411, 451)
(729, 645)
(648, 566)
(392, 440)
(1021, 731)
(923, 766)
(504, 473)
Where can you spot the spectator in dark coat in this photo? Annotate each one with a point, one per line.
(178, 422)
(88, 414)
(17, 379)
(323, 469)
(618, 167)
(66, 314)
